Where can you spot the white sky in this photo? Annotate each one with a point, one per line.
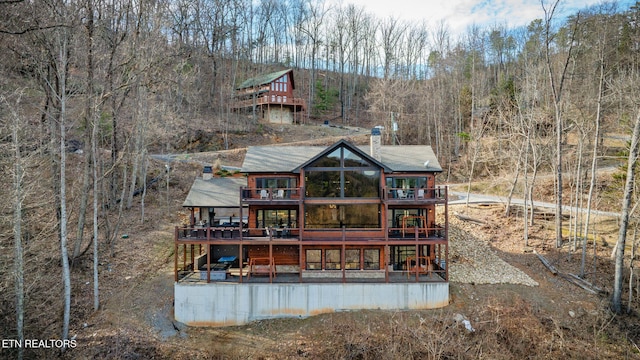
(460, 14)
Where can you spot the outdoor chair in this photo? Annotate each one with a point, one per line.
(280, 194)
(420, 193)
(264, 194)
(401, 194)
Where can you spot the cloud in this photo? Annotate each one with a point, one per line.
(460, 14)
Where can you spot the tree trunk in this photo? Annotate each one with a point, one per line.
(594, 165)
(86, 174)
(624, 220)
(556, 90)
(18, 266)
(96, 258)
(507, 209)
(632, 268)
(525, 206)
(66, 275)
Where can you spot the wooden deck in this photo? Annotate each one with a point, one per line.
(351, 276)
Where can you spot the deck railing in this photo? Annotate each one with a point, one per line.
(436, 195)
(268, 100)
(271, 194)
(414, 194)
(215, 233)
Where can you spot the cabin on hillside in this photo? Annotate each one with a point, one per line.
(271, 97)
(311, 229)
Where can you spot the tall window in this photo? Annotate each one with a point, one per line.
(342, 174)
(313, 259)
(281, 84)
(352, 259)
(371, 259)
(332, 259)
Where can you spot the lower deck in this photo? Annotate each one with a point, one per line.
(319, 263)
(260, 276)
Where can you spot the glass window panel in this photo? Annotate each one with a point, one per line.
(260, 217)
(351, 159)
(330, 160)
(362, 183)
(332, 259)
(399, 256)
(293, 219)
(352, 259)
(313, 259)
(360, 215)
(277, 218)
(270, 218)
(371, 259)
(333, 216)
(323, 184)
(276, 183)
(395, 217)
(322, 217)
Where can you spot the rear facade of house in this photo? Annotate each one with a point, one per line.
(306, 230)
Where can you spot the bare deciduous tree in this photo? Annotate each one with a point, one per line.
(624, 220)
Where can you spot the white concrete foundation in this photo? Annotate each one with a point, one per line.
(224, 304)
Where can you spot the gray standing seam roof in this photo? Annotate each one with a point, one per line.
(279, 159)
(217, 192)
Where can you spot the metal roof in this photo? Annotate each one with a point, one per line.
(279, 159)
(264, 79)
(216, 192)
(411, 158)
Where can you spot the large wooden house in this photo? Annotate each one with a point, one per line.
(312, 229)
(271, 97)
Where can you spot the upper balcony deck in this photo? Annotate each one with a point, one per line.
(297, 103)
(226, 234)
(391, 196)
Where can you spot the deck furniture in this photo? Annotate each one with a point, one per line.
(280, 194)
(418, 265)
(401, 194)
(261, 265)
(264, 194)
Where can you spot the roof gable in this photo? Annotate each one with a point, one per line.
(346, 144)
(266, 79)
